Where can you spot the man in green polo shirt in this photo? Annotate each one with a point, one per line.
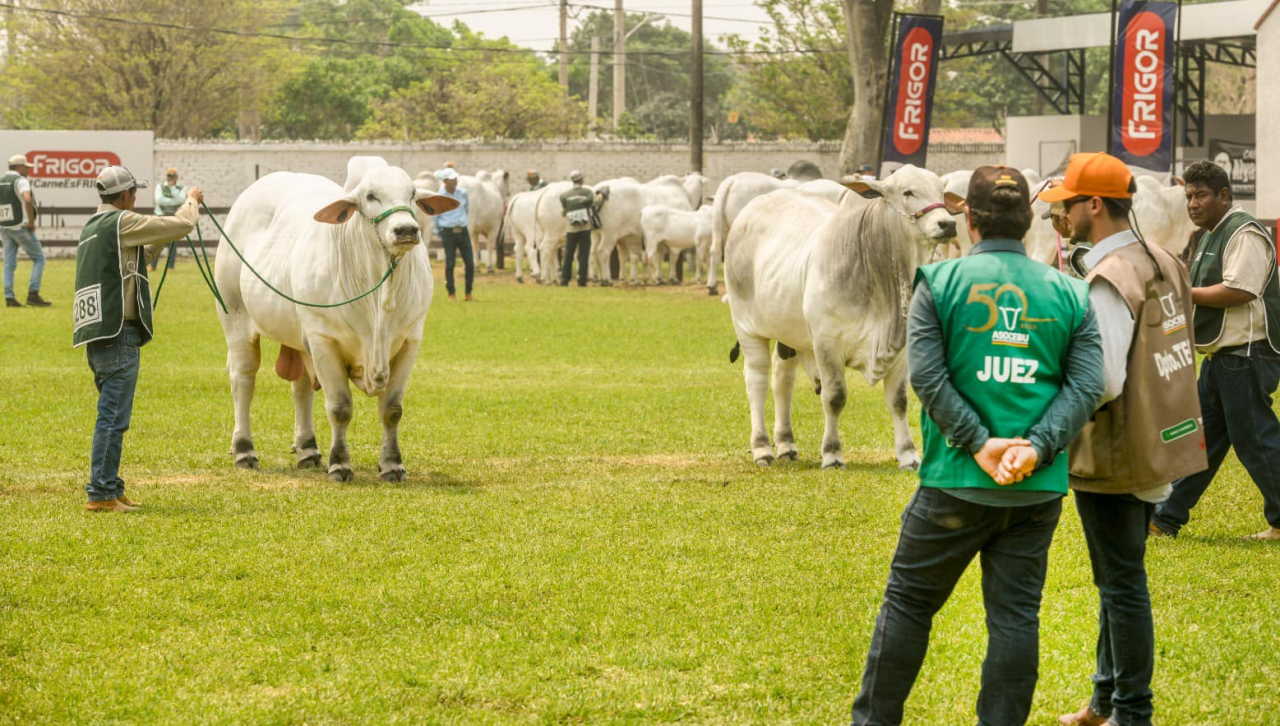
(111, 314)
(1004, 353)
(1237, 327)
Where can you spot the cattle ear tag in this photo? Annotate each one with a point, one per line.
(954, 202)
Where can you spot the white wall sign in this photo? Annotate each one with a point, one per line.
(64, 164)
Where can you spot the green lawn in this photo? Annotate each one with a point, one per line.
(583, 537)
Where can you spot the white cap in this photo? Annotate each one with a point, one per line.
(18, 160)
(447, 174)
(115, 179)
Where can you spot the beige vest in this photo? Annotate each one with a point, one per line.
(1150, 435)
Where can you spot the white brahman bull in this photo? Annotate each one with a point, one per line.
(831, 284)
(620, 216)
(550, 228)
(520, 228)
(486, 198)
(322, 243)
(678, 230)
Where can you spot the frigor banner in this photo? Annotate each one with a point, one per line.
(909, 102)
(1142, 89)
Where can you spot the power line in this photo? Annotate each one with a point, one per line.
(384, 43)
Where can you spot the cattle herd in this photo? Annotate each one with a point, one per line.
(820, 269)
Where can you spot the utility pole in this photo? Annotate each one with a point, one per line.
(696, 109)
(564, 47)
(619, 63)
(593, 88)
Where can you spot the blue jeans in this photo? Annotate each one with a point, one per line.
(1115, 529)
(941, 535)
(114, 363)
(15, 237)
(455, 242)
(1235, 405)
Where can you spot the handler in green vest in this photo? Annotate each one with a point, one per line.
(111, 314)
(1237, 328)
(1006, 358)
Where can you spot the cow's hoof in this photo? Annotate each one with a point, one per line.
(909, 463)
(311, 462)
(764, 461)
(711, 291)
(247, 461)
(341, 473)
(836, 464)
(396, 474)
(606, 283)
(520, 280)
(788, 455)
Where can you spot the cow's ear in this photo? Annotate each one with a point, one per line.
(432, 204)
(1179, 181)
(869, 189)
(954, 202)
(336, 213)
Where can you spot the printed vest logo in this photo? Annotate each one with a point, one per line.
(1010, 336)
(1142, 108)
(909, 116)
(1173, 320)
(70, 164)
(1179, 356)
(1015, 327)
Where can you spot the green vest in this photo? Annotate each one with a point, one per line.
(577, 198)
(10, 202)
(1007, 322)
(1206, 271)
(97, 313)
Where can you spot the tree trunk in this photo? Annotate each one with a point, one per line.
(866, 24)
(933, 7)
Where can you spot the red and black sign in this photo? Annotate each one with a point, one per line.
(912, 74)
(1142, 90)
(70, 164)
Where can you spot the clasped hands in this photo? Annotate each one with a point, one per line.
(1007, 461)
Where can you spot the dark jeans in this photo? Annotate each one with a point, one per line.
(941, 535)
(581, 241)
(1235, 405)
(455, 243)
(114, 364)
(1115, 529)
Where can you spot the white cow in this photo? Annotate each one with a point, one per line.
(1161, 211)
(486, 195)
(732, 196)
(831, 284)
(620, 216)
(551, 228)
(520, 228)
(677, 230)
(322, 243)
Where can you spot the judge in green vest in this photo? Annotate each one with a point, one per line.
(1006, 358)
(18, 232)
(111, 314)
(1237, 328)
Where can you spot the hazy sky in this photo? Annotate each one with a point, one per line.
(535, 23)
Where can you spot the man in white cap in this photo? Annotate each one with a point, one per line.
(169, 198)
(18, 230)
(111, 314)
(451, 227)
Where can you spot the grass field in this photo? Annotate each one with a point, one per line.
(583, 537)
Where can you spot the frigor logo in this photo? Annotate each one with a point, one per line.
(1142, 111)
(916, 65)
(70, 164)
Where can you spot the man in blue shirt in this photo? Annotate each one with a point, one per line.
(452, 230)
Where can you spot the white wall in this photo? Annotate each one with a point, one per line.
(1269, 109)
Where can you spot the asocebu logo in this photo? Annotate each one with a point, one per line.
(70, 164)
(913, 88)
(1142, 109)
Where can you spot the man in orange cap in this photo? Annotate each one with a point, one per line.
(1144, 432)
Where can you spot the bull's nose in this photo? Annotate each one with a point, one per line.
(406, 230)
(948, 227)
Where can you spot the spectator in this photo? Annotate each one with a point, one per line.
(18, 231)
(867, 171)
(1237, 328)
(112, 315)
(1142, 421)
(169, 198)
(977, 409)
(452, 230)
(535, 180)
(577, 206)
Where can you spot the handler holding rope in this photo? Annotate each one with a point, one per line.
(111, 314)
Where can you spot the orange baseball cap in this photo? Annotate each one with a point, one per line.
(1092, 175)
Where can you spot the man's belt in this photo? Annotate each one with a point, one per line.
(1243, 350)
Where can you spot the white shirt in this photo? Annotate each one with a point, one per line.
(21, 186)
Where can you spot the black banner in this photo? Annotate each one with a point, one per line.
(1240, 161)
(1142, 88)
(908, 107)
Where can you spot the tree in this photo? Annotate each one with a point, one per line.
(866, 28)
(78, 70)
(502, 93)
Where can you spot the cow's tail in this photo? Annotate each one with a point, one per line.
(719, 231)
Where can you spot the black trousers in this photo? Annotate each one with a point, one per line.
(581, 241)
(455, 242)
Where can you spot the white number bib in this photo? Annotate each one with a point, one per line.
(87, 307)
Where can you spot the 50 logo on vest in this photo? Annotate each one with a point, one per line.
(1005, 305)
(70, 164)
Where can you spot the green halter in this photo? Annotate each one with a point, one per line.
(390, 212)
